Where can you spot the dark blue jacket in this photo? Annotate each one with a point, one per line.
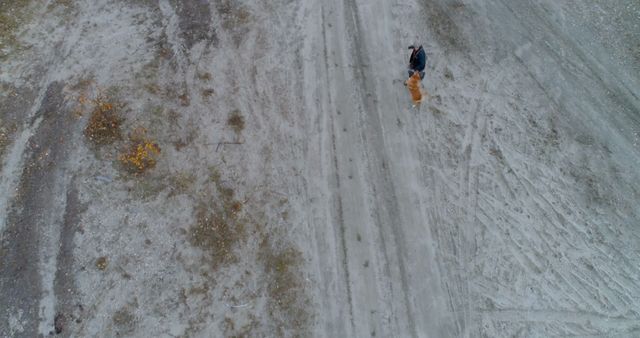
(418, 59)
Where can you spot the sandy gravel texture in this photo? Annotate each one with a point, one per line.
(211, 168)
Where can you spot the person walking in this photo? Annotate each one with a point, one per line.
(417, 60)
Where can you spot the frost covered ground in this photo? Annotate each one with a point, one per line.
(210, 168)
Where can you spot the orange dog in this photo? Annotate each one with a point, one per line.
(413, 83)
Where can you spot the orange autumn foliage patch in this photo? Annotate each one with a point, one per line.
(141, 153)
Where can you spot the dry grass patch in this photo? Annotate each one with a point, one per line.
(181, 183)
(287, 300)
(185, 101)
(218, 235)
(222, 230)
(104, 123)
(4, 139)
(207, 92)
(233, 14)
(6, 136)
(206, 76)
(219, 227)
(13, 14)
(124, 321)
(236, 121)
(233, 329)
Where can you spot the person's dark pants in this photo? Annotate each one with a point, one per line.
(421, 73)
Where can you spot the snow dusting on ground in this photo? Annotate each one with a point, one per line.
(210, 168)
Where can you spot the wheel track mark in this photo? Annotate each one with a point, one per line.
(628, 96)
(343, 244)
(345, 265)
(517, 249)
(388, 284)
(471, 196)
(29, 243)
(64, 284)
(358, 53)
(525, 261)
(579, 286)
(511, 246)
(551, 316)
(449, 237)
(539, 200)
(609, 293)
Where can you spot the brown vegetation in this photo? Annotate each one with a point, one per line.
(236, 121)
(206, 76)
(12, 16)
(217, 234)
(101, 263)
(6, 133)
(104, 123)
(207, 92)
(287, 300)
(219, 228)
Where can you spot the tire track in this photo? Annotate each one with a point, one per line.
(341, 225)
(581, 284)
(28, 266)
(377, 157)
(338, 204)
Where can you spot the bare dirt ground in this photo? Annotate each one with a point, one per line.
(212, 168)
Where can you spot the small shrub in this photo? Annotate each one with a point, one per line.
(101, 263)
(185, 101)
(141, 153)
(206, 76)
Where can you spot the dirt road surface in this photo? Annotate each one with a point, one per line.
(211, 168)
